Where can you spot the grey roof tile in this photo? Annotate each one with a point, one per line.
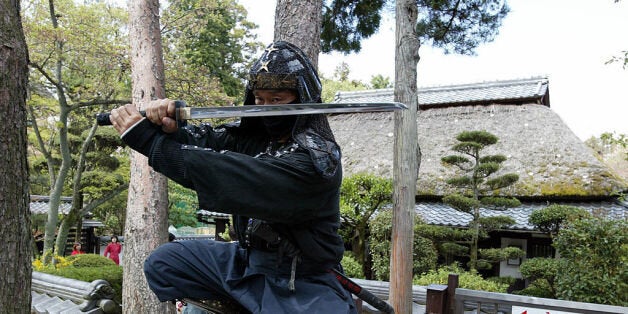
(437, 213)
(39, 204)
(511, 90)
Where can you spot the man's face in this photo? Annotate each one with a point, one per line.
(274, 96)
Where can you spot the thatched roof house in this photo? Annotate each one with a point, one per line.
(554, 166)
(550, 159)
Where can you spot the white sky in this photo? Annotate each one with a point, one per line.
(566, 40)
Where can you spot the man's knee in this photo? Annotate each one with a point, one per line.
(160, 258)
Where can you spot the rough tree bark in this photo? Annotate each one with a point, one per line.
(406, 155)
(299, 22)
(146, 225)
(15, 234)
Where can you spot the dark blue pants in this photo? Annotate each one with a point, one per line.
(213, 270)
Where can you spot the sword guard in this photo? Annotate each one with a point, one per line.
(180, 114)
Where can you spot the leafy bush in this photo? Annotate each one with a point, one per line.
(466, 279)
(85, 267)
(595, 261)
(112, 274)
(543, 270)
(424, 255)
(89, 260)
(352, 268)
(540, 288)
(550, 219)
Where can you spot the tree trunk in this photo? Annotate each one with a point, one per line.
(406, 156)
(75, 216)
(64, 145)
(299, 22)
(15, 234)
(146, 225)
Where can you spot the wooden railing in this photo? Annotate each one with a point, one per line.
(449, 299)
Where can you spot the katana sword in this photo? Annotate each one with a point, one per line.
(189, 113)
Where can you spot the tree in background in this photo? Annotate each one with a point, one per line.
(15, 223)
(424, 252)
(182, 206)
(78, 58)
(208, 47)
(361, 196)
(594, 255)
(453, 25)
(552, 218)
(451, 243)
(476, 185)
(146, 225)
(543, 271)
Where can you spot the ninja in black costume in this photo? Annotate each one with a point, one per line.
(280, 179)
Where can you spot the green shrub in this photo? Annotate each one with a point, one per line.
(112, 274)
(540, 288)
(89, 260)
(352, 268)
(594, 266)
(466, 279)
(424, 254)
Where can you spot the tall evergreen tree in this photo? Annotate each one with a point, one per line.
(478, 180)
(453, 25)
(146, 225)
(15, 224)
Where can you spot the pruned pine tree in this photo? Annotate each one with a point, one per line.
(478, 180)
(15, 223)
(146, 224)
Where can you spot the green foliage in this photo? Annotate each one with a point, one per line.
(361, 195)
(538, 288)
(595, 261)
(498, 159)
(495, 222)
(495, 255)
(459, 26)
(541, 272)
(112, 274)
(351, 267)
(474, 184)
(182, 207)
(456, 160)
(466, 279)
(347, 22)
(332, 86)
(498, 203)
(424, 254)
(379, 81)
(210, 39)
(551, 218)
(461, 203)
(89, 260)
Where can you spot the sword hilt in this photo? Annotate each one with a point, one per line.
(103, 117)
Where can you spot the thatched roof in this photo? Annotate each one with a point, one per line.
(550, 159)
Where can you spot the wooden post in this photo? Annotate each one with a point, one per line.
(452, 284)
(406, 159)
(436, 299)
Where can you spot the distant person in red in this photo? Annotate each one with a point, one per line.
(113, 250)
(76, 249)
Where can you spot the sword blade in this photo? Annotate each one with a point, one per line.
(187, 113)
